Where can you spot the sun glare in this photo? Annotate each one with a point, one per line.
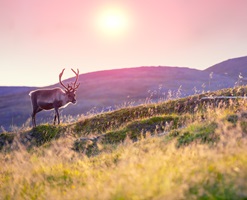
(113, 21)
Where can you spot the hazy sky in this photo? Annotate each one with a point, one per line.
(38, 38)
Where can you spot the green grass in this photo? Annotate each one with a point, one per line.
(181, 149)
(6, 139)
(45, 133)
(139, 128)
(202, 132)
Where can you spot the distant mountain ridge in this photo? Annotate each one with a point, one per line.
(231, 68)
(110, 89)
(8, 90)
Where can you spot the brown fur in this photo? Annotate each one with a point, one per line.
(47, 99)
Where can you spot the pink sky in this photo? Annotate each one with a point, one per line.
(39, 38)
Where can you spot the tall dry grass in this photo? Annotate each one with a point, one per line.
(148, 169)
(152, 168)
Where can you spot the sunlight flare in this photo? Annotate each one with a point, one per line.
(113, 21)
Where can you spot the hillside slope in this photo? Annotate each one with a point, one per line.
(111, 89)
(179, 149)
(231, 68)
(125, 119)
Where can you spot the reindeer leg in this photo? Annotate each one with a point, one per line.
(35, 111)
(56, 116)
(33, 119)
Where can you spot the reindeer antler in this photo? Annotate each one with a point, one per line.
(60, 76)
(73, 86)
(77, 75)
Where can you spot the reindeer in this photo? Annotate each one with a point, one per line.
(55, 98)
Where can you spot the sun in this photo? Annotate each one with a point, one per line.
(113, 21)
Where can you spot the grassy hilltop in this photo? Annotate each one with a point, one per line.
(108, 90)
(187, 148)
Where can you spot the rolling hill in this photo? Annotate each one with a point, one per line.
(186, 148)
(231, 68)
(112, 89)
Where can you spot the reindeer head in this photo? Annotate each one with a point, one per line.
(71, 88)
